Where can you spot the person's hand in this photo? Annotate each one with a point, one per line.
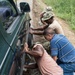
(44, 22)
(26, 47)
(25, 66)
(41, 15)
(31, 30)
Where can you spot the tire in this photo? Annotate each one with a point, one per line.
(30, 40)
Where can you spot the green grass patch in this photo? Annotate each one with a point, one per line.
(64, 9)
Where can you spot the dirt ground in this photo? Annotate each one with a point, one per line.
(38, 6)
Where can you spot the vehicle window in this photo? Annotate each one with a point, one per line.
(7, 14)
(17, 2)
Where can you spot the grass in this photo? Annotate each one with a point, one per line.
(64, 9)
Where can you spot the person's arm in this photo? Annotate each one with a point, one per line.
(54, 50)
(31, 66)
(35, 53)
(41, 15)
(55, 58)
(36, 32)
(41, 27)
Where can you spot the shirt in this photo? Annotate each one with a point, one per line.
(57, 27)
(62, 48)
(47, 65)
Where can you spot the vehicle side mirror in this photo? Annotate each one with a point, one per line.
(24, 7)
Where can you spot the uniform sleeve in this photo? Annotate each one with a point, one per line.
(54, 49)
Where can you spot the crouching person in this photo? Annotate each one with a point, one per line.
(44, 62)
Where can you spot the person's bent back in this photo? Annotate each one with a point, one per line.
(46, 64)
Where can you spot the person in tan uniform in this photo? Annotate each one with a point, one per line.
(48, 21)
(47, 9)
(44, 62)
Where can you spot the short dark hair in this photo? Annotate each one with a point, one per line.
(48, 31)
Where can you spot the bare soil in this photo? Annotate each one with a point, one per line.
(38, 7)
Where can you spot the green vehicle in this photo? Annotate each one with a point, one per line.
(13, 26)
